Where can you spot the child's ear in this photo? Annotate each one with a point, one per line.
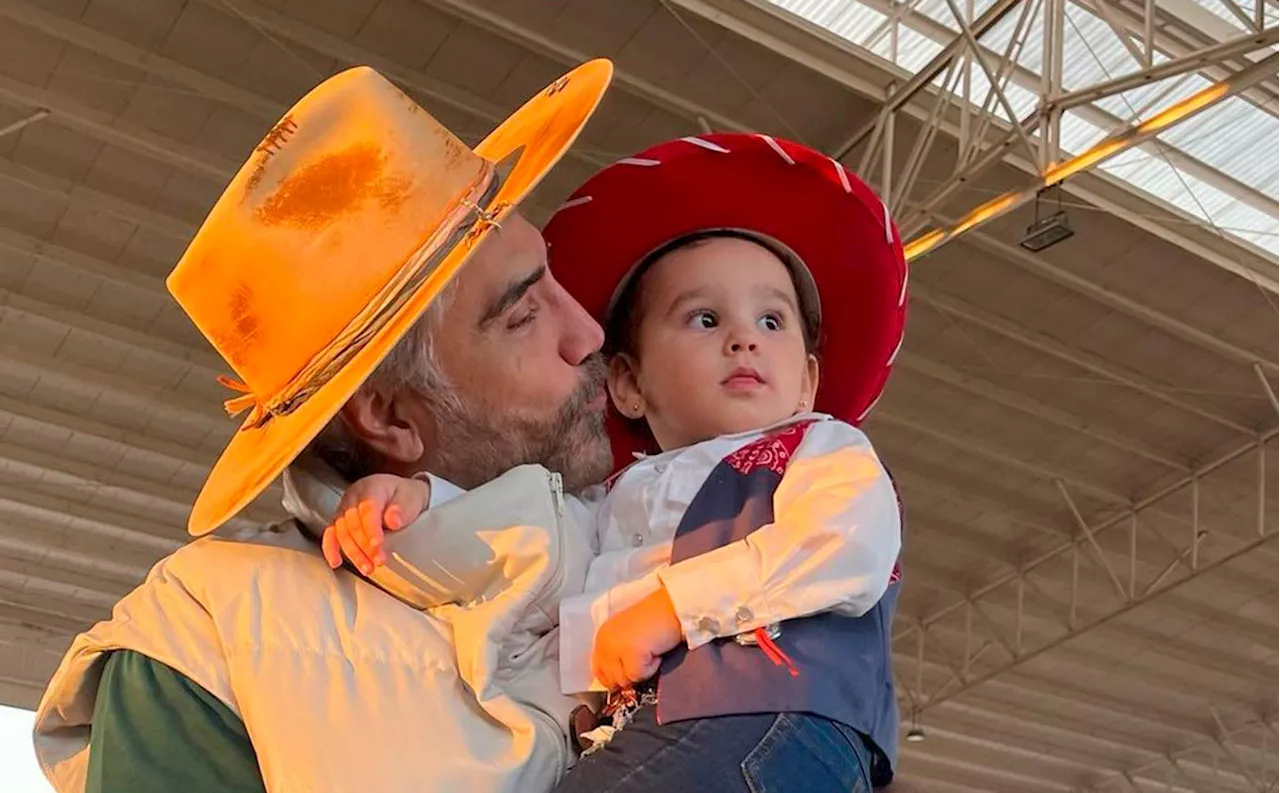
(809, 383)
(624, 388)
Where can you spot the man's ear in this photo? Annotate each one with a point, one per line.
(624, 387)
(389, 426)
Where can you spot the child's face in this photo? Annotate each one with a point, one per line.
(720, 345)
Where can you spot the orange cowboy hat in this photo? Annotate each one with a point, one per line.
(347, 219)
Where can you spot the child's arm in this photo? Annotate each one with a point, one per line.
(368, 505)
(834, 541)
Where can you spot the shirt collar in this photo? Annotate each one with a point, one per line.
(788, 421)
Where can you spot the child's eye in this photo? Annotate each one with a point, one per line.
(771, 322)
(702, 319)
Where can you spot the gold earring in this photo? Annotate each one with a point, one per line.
(636, 408)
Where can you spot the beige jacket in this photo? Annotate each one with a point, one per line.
(340, 685)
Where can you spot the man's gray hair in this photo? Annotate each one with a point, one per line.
(410, 367)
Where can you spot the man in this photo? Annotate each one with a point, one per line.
(320, 276)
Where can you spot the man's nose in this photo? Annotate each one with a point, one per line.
(581, 336)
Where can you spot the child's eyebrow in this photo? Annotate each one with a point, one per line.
(686, 297)
(781, 294)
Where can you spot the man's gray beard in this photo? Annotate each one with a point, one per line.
(476, 443)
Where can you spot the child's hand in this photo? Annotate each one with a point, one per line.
(630, 644)
(367, 506)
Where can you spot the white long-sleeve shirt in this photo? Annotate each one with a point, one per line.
(832, 545)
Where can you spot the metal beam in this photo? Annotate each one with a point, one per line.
(97, 42)
(1249, 42)
(494, 22)
(1260, 270)
(1011, 399)
(27, 506)
(34, 248)
(993, 81)
(1102, 526)
(929, 71)
(14, 173)
(1197, 746)
(1176, 36)
(20, 360)
(102, 126)
(177, 352)
(59, 475)
(23, 123)
(1080, 358)
(1096, 155)
(843, 62)
(1104, 119)
(972, 446)
(345, 52)
(1101, 620)
(1175, 327)
(932, 486)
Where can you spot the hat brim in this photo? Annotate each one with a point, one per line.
(768, 187)
(532, 140)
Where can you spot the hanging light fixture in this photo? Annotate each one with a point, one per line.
(1047, 231)
(916, 733)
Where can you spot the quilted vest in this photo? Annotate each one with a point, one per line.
(341, 686)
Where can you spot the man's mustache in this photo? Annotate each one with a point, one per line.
(594, 373)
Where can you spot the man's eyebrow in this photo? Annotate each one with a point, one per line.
(511, 295)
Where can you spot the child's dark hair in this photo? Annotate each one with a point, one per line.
(623, 322)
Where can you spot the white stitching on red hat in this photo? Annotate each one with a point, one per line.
(638, 161)
(706, 144)
(574, 202)
(893, 356)
(902, 296)
(844, 177)
(888, 224)
(869, 407)
(773, 144)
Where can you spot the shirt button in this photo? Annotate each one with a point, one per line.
(660, 467)
(708, 625)
(637, 540)
(744, 615)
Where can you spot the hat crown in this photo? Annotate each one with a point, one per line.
(341, 192)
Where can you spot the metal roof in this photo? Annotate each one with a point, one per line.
(1237, 138)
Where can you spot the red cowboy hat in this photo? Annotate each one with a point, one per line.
(790, 197)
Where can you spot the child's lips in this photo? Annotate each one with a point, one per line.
(743, 378)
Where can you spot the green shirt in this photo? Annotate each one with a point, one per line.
(155, 731)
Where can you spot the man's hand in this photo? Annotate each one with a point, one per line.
(369, 505)
(630, 644)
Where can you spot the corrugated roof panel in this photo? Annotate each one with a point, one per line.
(1236, 138)
(1219, 10)
(819, 12)
(1076, 135)
(1092, 53)
(1145, 98)
(914, 48)
(857, 23)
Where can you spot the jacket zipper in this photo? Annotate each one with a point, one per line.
(557, 491)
